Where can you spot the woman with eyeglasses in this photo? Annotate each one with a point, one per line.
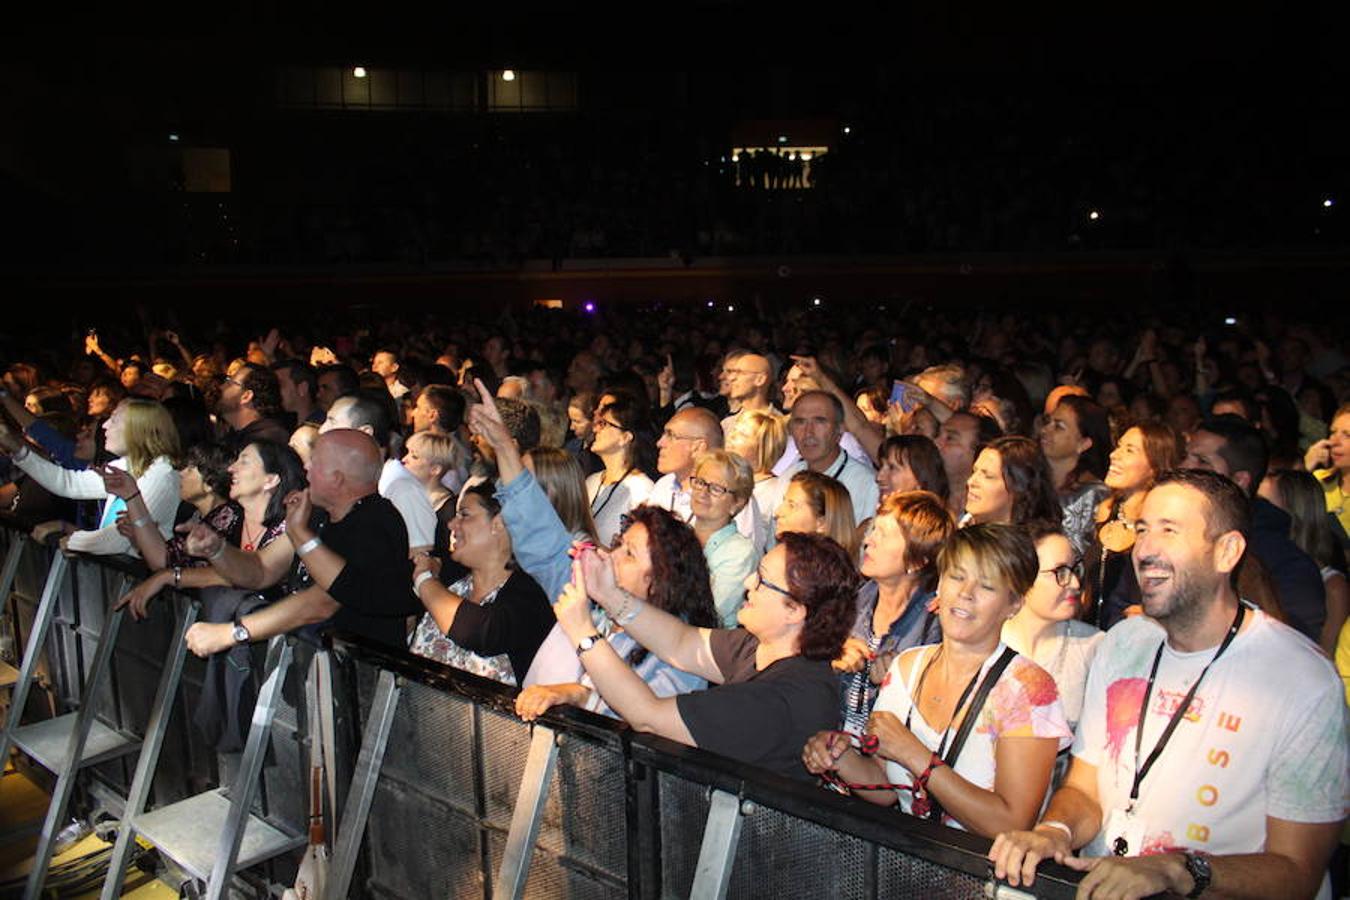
(623, 442)
(1047, 629)
(773, 685)
(720, 486)
(965, 731)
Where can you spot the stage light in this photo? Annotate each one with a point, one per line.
(782, 139)
(173, 137)
(1230, 320)
(804, 156)
(359, 72)
(847, 130)
(815, 301)
(710, 304)
(508, 74)
(1094, 215)
(731, 308)
(590, 306)
(1328, 203)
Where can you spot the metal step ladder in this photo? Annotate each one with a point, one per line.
(213, 834)
(68, 743)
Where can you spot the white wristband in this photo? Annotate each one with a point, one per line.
(1055, 823)
(308, 546)
(421, 580)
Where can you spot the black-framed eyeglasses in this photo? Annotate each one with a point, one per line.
(761, 581)
(703, 484)
(602, 424)
(1063, 574)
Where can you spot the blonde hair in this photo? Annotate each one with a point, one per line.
(1004, 553)
(149, 433)
(830, 501)
(437, 449)
(770, 438)
(740, 479)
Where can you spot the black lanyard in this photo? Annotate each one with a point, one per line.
(843, 462)
(595, 513)
(1141, 772)
(961, 701)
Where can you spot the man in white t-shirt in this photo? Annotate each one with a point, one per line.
(817, 426)
(1237, 785)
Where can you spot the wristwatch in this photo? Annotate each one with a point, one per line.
(588, 642)
(240, 633)
(1197, 866)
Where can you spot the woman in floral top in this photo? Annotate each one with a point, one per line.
(1001, 774)
(492, 617)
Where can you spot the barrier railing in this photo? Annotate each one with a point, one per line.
(463, 794)
(452, 795)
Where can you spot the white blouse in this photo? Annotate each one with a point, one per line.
(158, 485)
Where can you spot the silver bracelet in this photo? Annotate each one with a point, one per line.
(177, 576)
(308, 546)
(421, 580)
(142, 522)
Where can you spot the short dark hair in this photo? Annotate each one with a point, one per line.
(521, 421)
(448, 403)
(923, 458)
(1229, 508)
(835, 403)
(212, 461)
(1251, 410)
(822, 578)
(369, 409)
(1244, 448)
(348, 382)
(266, 389)
(301, 373)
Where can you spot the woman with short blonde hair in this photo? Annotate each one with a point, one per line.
(720, 485)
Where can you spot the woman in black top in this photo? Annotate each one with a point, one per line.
(774, 684)
(493, 617)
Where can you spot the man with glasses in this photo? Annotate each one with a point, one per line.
(1211, 759)
(688, 434)
(250, 400)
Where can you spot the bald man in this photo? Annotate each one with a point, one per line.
(355, 570)
(688, 434)
(747, 383)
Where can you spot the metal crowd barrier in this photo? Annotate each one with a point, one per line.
(449, 794)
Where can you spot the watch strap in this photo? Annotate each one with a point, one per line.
(1197, 866)
(588, 642)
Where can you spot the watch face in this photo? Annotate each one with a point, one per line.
(241, 635)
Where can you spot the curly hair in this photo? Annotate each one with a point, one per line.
(680, 582)
(265, 387)
(212, 462)
(1026, 475)
(822, 578)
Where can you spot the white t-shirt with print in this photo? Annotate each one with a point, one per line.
(1023, 703)
(1264, 736)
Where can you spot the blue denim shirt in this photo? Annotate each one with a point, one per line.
(915, 627)
(539, 540)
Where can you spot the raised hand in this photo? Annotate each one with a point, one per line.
(485, 419)
(299, 508)
(203, 541)
(573, 608)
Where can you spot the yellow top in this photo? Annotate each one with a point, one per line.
(1343, 657)
(1337, 503)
